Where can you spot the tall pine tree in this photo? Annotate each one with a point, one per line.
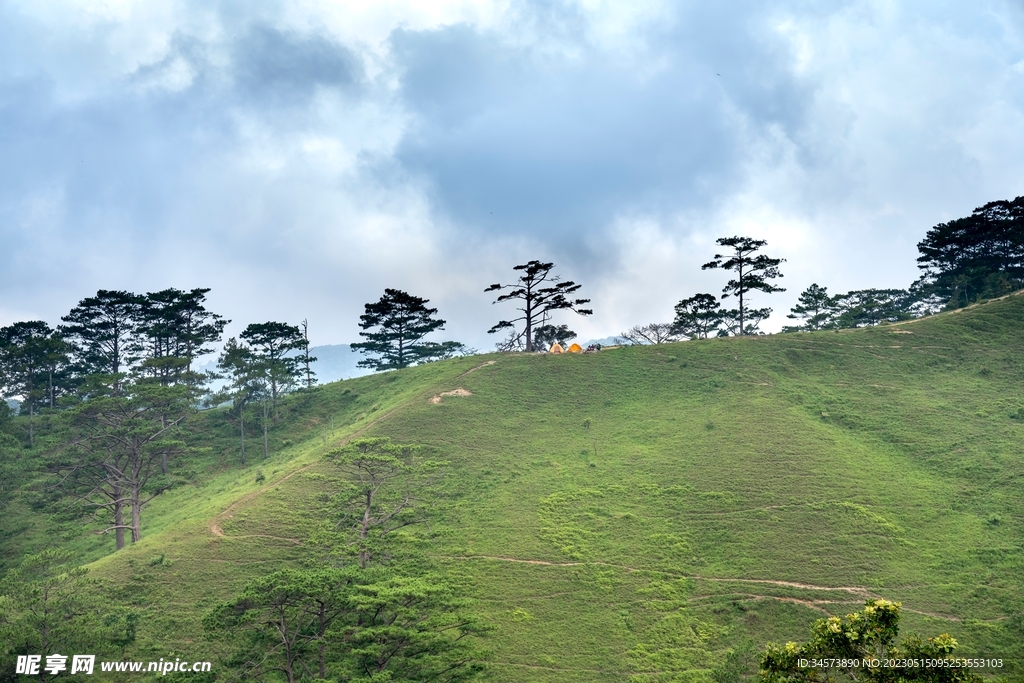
(178, 328)
(106, 332)
(753, 272)
(539, 293)
(394, 328)
(273, 346)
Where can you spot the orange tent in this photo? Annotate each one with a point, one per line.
(556, 348)
(575, 348)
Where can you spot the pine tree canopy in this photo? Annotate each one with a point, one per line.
(394, 328)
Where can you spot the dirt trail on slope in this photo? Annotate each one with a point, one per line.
(854, 590)
(482, 365)
(218, 532)
(555, 668)
(861, 592)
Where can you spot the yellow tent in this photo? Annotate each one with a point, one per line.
(556, 348)
(575, 348)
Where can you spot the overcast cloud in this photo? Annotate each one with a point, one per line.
(298, 157)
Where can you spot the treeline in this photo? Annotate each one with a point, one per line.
(101, 343)
(116, 337)
(962, 262)
(115, 385)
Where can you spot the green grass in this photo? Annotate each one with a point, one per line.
(618, 512)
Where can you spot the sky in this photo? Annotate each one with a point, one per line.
(298, 157)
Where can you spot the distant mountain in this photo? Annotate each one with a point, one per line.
(607, 341)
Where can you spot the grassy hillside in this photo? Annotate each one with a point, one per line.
(648, 509)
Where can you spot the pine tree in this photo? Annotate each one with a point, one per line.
(752, 274)
(272, 345)
(307, 360)
(394, 328)
(178, 328)
(867, 307)
(816, 309)
(698, 317)
(32, 356)
(540, 294)
(115, 460)
(106, 332)
(246, 385)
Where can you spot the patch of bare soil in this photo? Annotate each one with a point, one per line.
(454, 392)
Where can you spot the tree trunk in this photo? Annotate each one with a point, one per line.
(741, 300)
(322, 646)
(163, 456)
(289, 657)
(117, 363)
(118, 520)
(136, 515)
(309, 373)
(364, 554)
(266, 417)
(529, 323)
(241, 427)
(401, 347)
(31, 426)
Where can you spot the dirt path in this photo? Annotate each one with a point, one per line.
(853, 590)
(482, 365)
(861, 592)
(515, 559)
(214, 523)
(555, 668)
(809, 604)
(816, 605)
(217, 531)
